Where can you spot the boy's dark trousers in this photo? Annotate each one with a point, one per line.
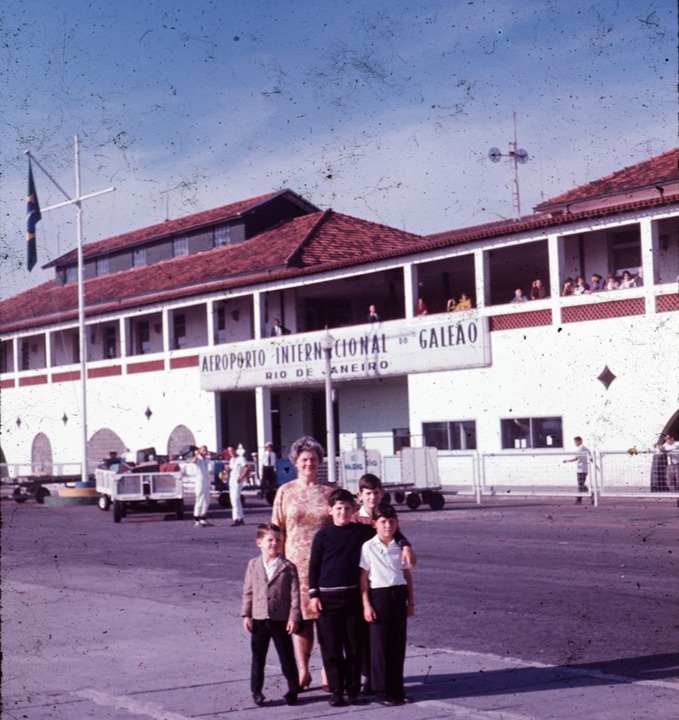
(262, 632)
(388, 641)
(340, 637)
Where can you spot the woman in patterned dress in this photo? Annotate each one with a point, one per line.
(300, 509)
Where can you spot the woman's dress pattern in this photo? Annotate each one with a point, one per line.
(299, 511)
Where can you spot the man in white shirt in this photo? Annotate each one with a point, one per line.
(238, 471)
(582, 459)
(671, 447)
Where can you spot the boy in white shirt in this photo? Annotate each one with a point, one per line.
(388, 602)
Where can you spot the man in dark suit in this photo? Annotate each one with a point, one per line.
(278, 329)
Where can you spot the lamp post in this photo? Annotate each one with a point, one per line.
(327, 344)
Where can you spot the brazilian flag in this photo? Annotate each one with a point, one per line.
(32, 217)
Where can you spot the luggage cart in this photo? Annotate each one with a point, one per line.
(411, 477)
(26, 480)
(141, 491)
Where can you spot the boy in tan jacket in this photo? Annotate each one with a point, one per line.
(271, 610)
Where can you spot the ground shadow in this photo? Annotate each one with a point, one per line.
(538, 679)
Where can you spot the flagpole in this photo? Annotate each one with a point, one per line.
(82, 344)
(81, 311)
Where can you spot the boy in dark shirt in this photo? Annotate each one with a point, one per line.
(334, 593)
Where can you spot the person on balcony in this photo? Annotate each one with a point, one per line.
(568, 286)
(465, 302)
(537, 291)
(373, 315)
(627, 281)
(581, 287)
(421, 308)
(612, 282)
(519, 297)
(278, 329)
(597, 284)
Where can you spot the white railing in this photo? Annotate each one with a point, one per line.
(41, 471)
(532, 473)
(631, 474)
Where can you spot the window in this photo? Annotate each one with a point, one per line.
(220, 336)
(102, 266)
(143, 337)
(180, 246)
(222, 235)
(5, 357)
(520, 433)
(25, 359)
(110, 342)
(179, 323)
(68, 274)
(450, 435)
(626, 251)
(401, 438)
(139, 257)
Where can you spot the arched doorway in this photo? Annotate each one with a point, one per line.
(41, 454)
(180, 438)
(672, 427)
(100, 445)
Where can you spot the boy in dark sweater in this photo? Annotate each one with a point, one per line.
(334, 593)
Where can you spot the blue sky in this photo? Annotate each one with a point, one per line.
(380, 109)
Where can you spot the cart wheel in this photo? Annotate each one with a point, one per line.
(104, 502)
(180, 510)
(437, 501)
(40, 494)
(19, 496)
(413, 501)
(117, 511)
(224, 500)
(386, 498)
(400, 497)
(270, 496)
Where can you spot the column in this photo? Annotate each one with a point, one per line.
(554, 256)
(410, 289)
(258, 314)
(122, 334)
(649, 252)
(481, 278)
(263, 413)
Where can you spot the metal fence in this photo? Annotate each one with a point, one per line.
(529, 473)
(633, 474)
(622, 473)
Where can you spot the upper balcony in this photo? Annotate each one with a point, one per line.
(488, 274)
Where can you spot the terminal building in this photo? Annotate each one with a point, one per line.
(217, 327)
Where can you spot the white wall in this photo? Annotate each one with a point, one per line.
(370, 411)
(118, 403)
(552, 371)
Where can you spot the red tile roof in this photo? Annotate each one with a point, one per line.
(653, 173)
(309, 243)
(180, 225)
(534, 222)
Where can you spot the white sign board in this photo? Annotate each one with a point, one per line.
(450, 341)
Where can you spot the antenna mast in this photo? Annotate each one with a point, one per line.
(518, 156)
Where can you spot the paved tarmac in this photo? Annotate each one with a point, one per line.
(118, 637)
